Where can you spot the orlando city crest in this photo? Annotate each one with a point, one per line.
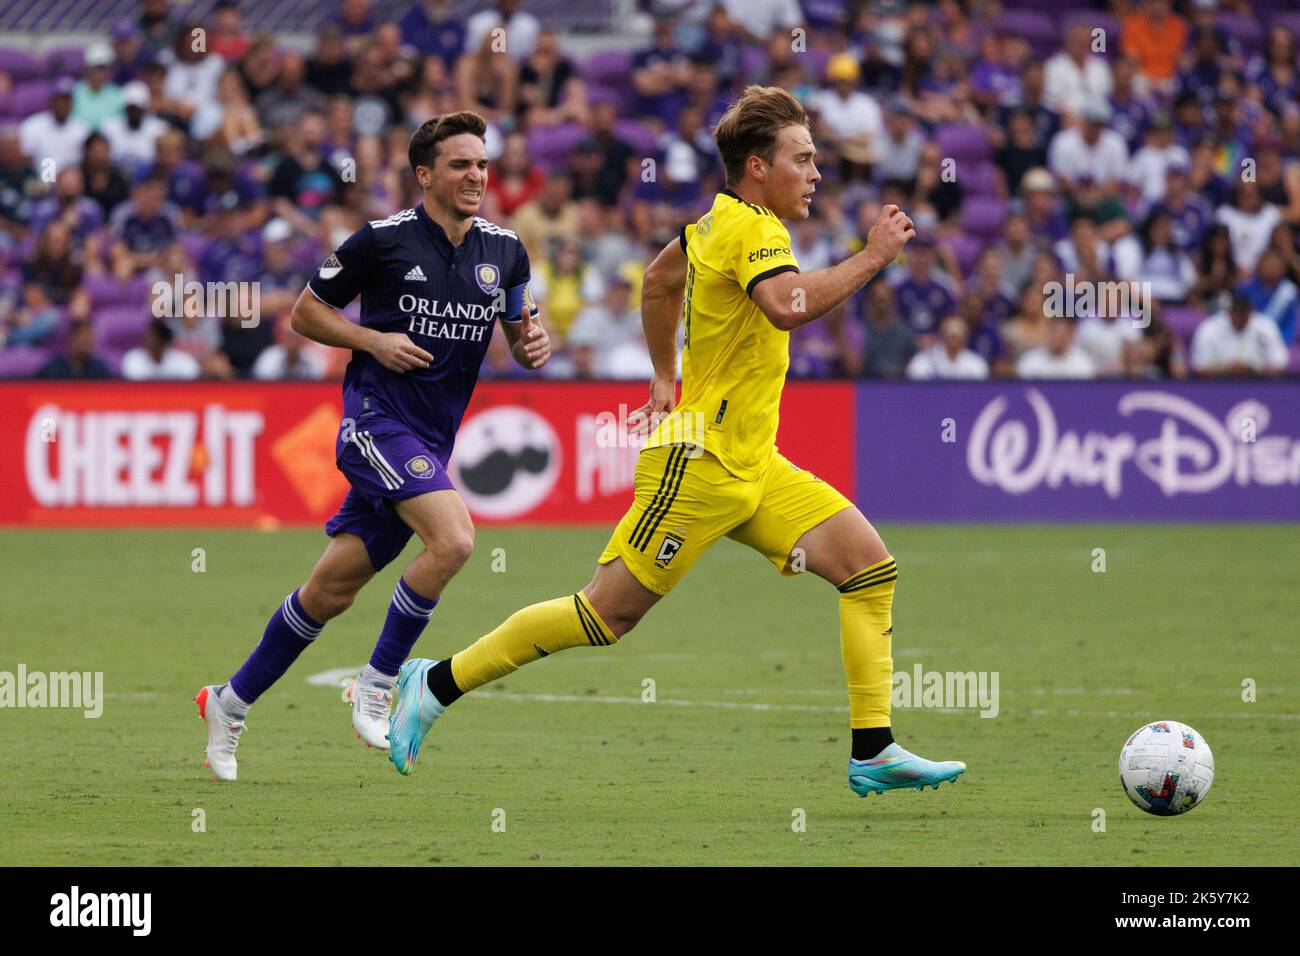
(420, 467)
(487, 276)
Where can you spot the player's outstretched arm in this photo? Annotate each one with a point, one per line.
(319, 322)
(661, 312)
(792, 299)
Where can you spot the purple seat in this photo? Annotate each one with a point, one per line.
(65, 60)
(980, 179)
(122, 327)
(964, 142)
(22, 361)
(1182, 320)
(1043, 32)
(19, 64)
(636, 135)
(28, 98)
(983, 217)
(1244, 29)
(107, 291)
(753, 62)
(550, 146)
(1294, 367)
(608, 67)
(966, 249)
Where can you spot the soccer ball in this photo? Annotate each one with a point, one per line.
(1166, 768)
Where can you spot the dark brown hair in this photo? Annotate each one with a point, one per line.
(751, 126)
(423, 150)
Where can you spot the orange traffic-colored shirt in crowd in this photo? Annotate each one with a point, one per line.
(1155, 46)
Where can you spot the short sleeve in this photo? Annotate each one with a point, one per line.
(762, 251)
(343, 274)
(517, 294)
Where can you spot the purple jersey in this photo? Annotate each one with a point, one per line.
(923, 304)
(446, 298)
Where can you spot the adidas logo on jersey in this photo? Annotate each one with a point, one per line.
(416, 275)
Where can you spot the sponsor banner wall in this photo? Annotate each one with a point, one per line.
(1079, 452)
(263, 454)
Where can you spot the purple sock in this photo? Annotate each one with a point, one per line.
(406, 618)
(287, 635)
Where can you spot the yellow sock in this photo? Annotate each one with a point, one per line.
(527, 636)
(866, 642)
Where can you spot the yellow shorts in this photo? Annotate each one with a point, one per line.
(686, 500)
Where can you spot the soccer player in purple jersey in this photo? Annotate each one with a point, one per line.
(432, 281)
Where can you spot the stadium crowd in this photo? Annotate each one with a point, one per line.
(1038, 152)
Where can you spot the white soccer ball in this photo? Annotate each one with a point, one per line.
(1166, 768)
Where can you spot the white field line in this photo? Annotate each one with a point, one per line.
(335, 677)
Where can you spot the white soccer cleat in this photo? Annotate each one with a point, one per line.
(223, 734)
(371, 706)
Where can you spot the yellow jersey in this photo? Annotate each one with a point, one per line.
(734, 359)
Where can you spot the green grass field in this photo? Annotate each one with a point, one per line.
(749, 726)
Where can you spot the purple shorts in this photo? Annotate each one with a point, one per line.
(385, 463)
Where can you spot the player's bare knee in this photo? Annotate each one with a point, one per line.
(324, 601)
(452, 549)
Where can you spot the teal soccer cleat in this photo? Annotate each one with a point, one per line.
(895, 768)
(414, 714)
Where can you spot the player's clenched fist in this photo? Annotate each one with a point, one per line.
(534, 345)
(397, 353)
(892, 230)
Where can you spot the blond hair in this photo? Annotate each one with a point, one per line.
(751, 126)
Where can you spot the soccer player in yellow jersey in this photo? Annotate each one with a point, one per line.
(710, 466)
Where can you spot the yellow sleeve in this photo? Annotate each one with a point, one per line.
(762, 251)
(688, 230)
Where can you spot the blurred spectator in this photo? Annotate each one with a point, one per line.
(292, 357)
(96, 98)
(847, 120)
(1043, 217)
(564, 283)
(551, 215)
(550, 90)
(1274, 71)
(762, 19)
(1250, 223)
(78, 360)
(606, 338)
(1015, 255)
(1027, 329)
(431, 28)
(290, 97)
(1102, 338)
(1167, 269)
(1021, 152)
(1238, 342)
(924, 293)
(1059, 356)
(227, 38)
(890, 341)
(1130, 111)
(303, 183)
(948, 358)
(515, 180)
(329, 70)
(356, 21)
(1215, 268)
(132, 136)
(54, 135)
(521, 30)
(901, 143)
(1149, 165)
(602, 163)
(229, 122)
(1076, 76)
(661, 76)
(156, 25)
(192, 72)
(19, 187)
(1090, 149)
(129, 52)
(69, 204)
(142, 228)
(1272, 294)
(155, 359)
(375, 87)
(103, 183)
(1189, 212)
(721, 46)
(1155, 36)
